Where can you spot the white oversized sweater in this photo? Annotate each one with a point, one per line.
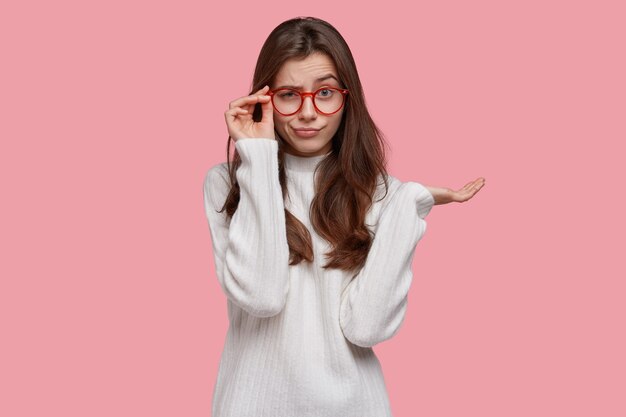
(300, 338)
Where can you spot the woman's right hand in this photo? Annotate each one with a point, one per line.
(239, 117)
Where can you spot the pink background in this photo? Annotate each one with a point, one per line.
(112, 112)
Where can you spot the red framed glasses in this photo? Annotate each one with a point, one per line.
(326, 100)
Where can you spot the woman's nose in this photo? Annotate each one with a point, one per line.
(308, 109)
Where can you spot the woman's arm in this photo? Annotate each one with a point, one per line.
(374, 303)
(250, 250)
(444, 195)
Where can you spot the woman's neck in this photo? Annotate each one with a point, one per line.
(302, 163)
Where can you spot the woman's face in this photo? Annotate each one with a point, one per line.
(304, 75)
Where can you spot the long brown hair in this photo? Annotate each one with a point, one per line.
(347, 179)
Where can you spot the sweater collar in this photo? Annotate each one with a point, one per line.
(302, 163)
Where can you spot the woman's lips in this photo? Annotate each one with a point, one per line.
(306, 133)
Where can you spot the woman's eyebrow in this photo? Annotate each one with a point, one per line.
(317, 81)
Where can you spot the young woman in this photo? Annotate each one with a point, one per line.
(313, 240)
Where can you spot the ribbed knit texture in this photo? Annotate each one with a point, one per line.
(300, 338)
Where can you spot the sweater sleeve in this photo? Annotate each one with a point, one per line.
(250, 250)
(374, 303)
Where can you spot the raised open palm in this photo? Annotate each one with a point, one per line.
(443, 195)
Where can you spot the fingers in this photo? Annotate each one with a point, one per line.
(477, 183)
(468, 191)
(475, 187)
(244, 106)
(240, 113)
(252, 99)
(233, 113)
(268, 110)
(248, 102)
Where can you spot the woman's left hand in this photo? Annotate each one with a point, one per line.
(444, 195)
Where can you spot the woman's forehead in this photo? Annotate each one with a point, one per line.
(313, 69)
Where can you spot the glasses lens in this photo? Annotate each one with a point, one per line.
(287, 101)
(328, 100)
